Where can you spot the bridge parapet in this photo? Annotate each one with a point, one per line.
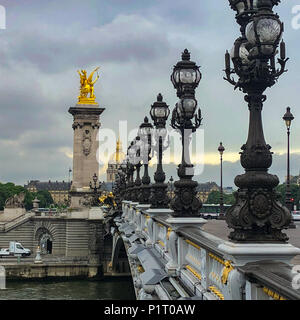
(173, 258)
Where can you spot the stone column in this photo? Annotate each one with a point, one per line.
(86, 127)
(96, 242)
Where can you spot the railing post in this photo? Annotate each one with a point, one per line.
(204, 268)
(172, 247)
(150, 226)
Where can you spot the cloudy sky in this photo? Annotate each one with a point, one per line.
(135, 43)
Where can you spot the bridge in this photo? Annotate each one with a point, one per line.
(170, 255)
(175, 259)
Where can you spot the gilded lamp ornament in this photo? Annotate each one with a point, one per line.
(87, 95)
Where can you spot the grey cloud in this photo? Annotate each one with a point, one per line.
(126, 38)
(136, 43)
(21, 165)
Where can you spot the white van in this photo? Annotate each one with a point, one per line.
(15, 249)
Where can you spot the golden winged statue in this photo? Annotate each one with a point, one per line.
(87, 87)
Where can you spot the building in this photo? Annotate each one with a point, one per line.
(115, 162)
(58, 190)
(228, 190)
(294, 180)
(204, 189)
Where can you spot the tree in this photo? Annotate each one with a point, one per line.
(9, 189)
(45, 198)
(214, 198)
(295, 191)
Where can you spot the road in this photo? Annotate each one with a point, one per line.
(219, 229)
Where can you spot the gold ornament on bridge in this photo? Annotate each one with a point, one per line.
(87, 87)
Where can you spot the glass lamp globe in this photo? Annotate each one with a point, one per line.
(288, 117)
(242, 6)
(265, 33)
(185, 74)
(187, 107)
(240, 51)
(159, 111)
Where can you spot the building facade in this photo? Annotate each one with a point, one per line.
(59, 190)
(204, 189)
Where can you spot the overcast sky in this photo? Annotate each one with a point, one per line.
(135, 43)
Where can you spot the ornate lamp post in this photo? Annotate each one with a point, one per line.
(125, 167)
(145, 133)
(159, 113)
(131, 155)
(95, 189)
(288, 118)
(257, 215)
(120, 185)
(185, 78)
(171, 187)
(137, 163)
(221, 150)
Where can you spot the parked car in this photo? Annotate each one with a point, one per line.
(15, 249)
(296, 215)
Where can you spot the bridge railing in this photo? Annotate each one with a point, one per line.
(204, 266)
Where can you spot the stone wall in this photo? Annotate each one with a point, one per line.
(77, 238)
(71, 237)
(36, 271)
(23, 233)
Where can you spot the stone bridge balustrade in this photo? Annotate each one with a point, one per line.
(173, 258)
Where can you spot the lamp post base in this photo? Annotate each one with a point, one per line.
(185, 202)
(159, 197)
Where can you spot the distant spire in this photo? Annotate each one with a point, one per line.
(118, 150)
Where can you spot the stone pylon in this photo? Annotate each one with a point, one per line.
(86, 126)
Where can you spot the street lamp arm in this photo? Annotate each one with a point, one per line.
(229, 78)
(198, 119)
(282, 69)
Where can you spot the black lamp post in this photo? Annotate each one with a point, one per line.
(171, 187)
(288, 118)
(185, 78)
(159, 113)
(131, 169)
(257, 215)
(126, 169)
(137, 163)
(145, 133)
(122, 172)
(221, 150)
(95, 189)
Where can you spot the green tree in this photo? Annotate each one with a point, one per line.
(45, 198)
(295, 191)
(9, 189)
(214, 198)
